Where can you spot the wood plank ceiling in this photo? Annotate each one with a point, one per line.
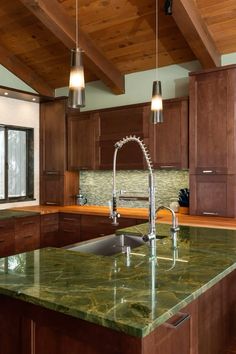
(122, 32)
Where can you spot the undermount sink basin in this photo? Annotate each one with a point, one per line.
(108, 245)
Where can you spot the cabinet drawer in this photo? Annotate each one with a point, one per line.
(49, 220)
(27, 234)
(212, 195)
(27, 226)
(7, 238)
(50, 231)
(69, 229)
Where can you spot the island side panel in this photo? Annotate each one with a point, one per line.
(37, 330)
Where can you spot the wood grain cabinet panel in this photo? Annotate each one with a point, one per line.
(83, 133)
(49, 236)
(116, 124)
(57, 186)
(69, 226)
(27, 234)
(7, 238)
(170, 138)
(213, 142)
(94, 226)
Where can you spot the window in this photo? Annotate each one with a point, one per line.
(16, 164)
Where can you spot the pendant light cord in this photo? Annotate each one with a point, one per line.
(76, 25)
(157, 40)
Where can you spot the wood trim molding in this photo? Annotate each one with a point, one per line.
(53, 16)
(190, 23)
(24, 72)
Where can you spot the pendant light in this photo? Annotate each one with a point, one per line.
(76, 97)
(156, 103)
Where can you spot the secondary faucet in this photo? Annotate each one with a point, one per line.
(174, 228)
(151, 236)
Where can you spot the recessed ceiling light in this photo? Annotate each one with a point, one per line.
(34, 99)
(6, 93)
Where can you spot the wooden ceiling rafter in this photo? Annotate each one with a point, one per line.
(24, 72)
(193, 28)
(53, 16)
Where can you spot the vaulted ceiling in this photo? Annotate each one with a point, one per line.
(117, 36)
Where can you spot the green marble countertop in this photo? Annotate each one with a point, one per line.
(8, 214)
(133, 298)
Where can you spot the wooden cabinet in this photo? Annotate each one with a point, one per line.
(213, 141)
(49, 236)
(117, 123)
(7, 237)
(169, 140)
(213, 195)
(69, 228)
(27, 233)
(94, 226)
(57, 186)
(82, 141)
(58, 189)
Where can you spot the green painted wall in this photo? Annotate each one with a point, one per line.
(10, 80)
(138, 87)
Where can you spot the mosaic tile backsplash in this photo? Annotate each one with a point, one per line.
(97, 186)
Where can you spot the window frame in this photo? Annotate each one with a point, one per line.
(29, 164)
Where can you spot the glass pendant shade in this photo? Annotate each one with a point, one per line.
(76, 97)
(156, 104)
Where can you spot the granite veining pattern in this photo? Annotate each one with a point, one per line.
(133, 298)
(97, 186)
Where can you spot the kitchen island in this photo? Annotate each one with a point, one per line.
(54, 299)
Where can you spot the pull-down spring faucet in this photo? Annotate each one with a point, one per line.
(151, 236)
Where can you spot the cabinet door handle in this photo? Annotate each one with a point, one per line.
(50, 203)
(183, 317)
(207, 171)
(1, 241)
(28, 223)
(210, 213)
(28, 236)
(168, 166)
(52, 173)
(69, 219)
(71, 231)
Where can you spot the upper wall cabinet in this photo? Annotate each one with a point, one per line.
(53, 137)
(170, 138)
(57, 186)
(83, 130)
(117, 123)
(212, 121)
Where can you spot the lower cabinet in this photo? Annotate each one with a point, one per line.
(69, 228)
(213, 195)
(94, 226)
(49, 236)
(202, 327)
(7, 238)
(27, 234)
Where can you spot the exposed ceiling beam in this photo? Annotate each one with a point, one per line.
(25, 73)
(190, 23)
(53, 16)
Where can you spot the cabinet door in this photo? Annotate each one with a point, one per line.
(49, 231)
(170, 150)
(69, 229)
(212, 195)
(212, 120)
(116, 124)
(58, 189)
(93, 226)
(53, 136)
(7, 238)
(82, 137)
(177, 336)
(27, 234)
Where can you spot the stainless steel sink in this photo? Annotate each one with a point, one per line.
(108, 245)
